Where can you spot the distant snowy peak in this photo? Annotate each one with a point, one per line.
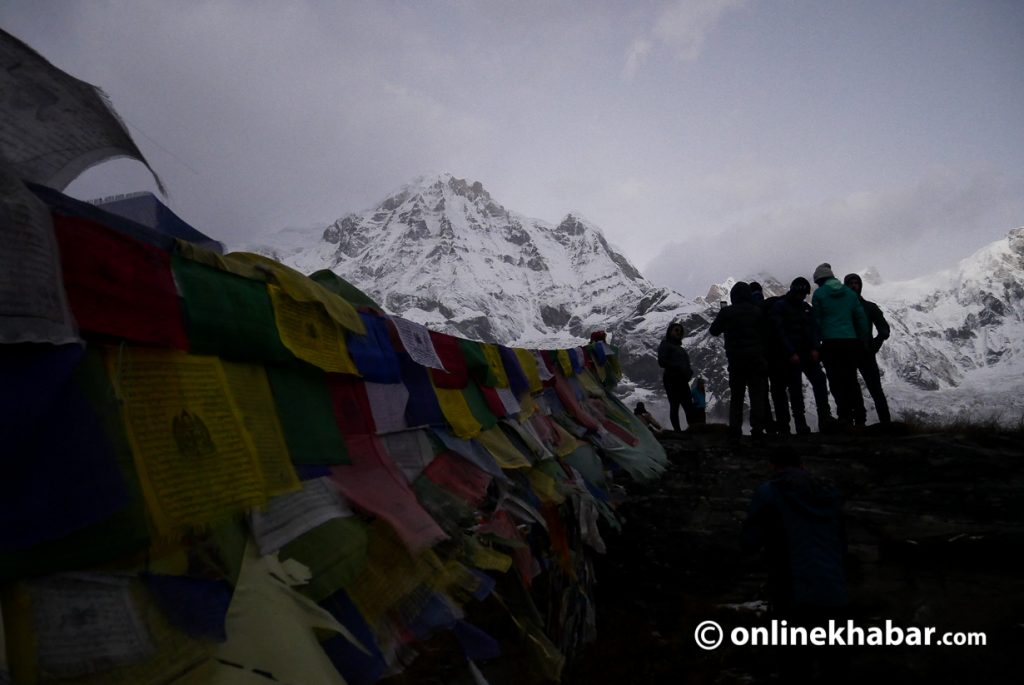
(443, 251)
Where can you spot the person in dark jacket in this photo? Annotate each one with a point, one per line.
(743, 324)
(797, 347)
(796, 519)
(648, 420)
(844, 338)
(676, 377)
(868, 366)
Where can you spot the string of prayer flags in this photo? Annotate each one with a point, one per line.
(311, 334)
(227, 315)
(118, 286)
(195, 459)
(305, 409)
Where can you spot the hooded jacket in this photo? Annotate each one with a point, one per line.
(877, 319)
(839, 313)
(794, 326)
(743, 324)
(674, 359)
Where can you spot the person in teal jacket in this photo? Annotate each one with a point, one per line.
(844, 338)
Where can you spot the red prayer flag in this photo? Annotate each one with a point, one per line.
(118, 286)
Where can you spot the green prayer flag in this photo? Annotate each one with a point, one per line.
(476, 361)
(339, 286)
(307, 414)
(335, 552)
(227, 315)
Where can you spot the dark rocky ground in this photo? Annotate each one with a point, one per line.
(935, 525)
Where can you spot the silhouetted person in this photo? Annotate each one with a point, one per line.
(869, 364)
(844, 338)
(676, 377)
(796, 520)
(797, 349)
(744, 327)
(649, 421)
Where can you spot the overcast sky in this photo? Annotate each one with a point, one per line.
(706, 138)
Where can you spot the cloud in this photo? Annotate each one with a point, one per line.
(904, 232)
(636, 56)
(681, 27)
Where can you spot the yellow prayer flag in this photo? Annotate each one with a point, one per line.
(501, 448)
(592, 386)
(303, 289)
(251, 391)
(564, 362)
(310, 334)
(196, 462)
(490, 559)
(457, 412)
(529, 364)
(390, 574)
(497, 366)
(567, 442)
(545, 487)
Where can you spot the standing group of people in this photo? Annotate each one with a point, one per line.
(773, 344)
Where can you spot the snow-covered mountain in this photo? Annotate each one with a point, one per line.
(443, 252)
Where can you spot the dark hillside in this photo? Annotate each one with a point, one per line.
(935, 529)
